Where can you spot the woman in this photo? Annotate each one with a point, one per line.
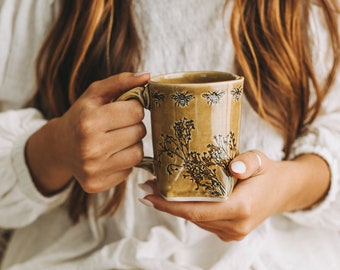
(68, 187)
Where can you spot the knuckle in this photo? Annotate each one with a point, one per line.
(91, 186)
(120, 176)
(86, 174)
(227, 237)
(94, 85)
(244, 210)
(87, 146)
(136, 110)
(242, 231)
(94, 183)
(239, 238)
(121, 76)
(85, 125)
(89, 152)
(140, 131)
(224, 238)
(194, 215)
(137, 154)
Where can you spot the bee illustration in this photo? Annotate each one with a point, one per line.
(157, 98)
(237, 92)
(182, 99)
(213, 97)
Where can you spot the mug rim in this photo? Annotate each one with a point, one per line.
(174, 75)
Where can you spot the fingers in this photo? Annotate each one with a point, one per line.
(116, 149)
(128, 157)
(110, 143)
(105, 183)
(110, 89)
(100, 140)
(125, 137)
(99, 175)
(227, 230)
(196, 211)
(248, 164)
(247, 206)
(120, 114)
(229, 220)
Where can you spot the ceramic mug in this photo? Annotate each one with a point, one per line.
(195, 122)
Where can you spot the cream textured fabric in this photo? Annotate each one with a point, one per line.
(176, 35)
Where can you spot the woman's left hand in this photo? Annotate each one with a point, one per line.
(265, 187)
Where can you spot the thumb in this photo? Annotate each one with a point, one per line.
(112, 87)
(248, 164)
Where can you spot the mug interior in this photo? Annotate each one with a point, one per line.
(195, 77)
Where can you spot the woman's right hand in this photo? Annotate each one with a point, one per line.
(96, 141)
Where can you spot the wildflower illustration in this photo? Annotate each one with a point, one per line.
(199, 167)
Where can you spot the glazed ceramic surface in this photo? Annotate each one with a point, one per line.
(195, 120)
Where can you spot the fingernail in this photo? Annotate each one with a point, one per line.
(145, 202)
(238, 167)
(146, 188)
(141, 73)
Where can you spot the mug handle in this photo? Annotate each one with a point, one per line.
(142, 95)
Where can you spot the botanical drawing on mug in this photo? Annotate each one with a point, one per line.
(199, 167)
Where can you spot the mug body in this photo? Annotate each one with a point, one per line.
(195, 120)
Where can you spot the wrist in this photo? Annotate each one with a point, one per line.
(44, 160)
(306, 181)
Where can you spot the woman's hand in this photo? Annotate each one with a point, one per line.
(96, 141)
(265, 187)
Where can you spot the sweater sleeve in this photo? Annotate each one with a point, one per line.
(323, 138)
(20, 201)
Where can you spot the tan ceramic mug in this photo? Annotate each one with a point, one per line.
(195, 121)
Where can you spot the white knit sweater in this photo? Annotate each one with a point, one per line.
(176, 35)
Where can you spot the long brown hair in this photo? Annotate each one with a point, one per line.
(274, 53)
(91, 40)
